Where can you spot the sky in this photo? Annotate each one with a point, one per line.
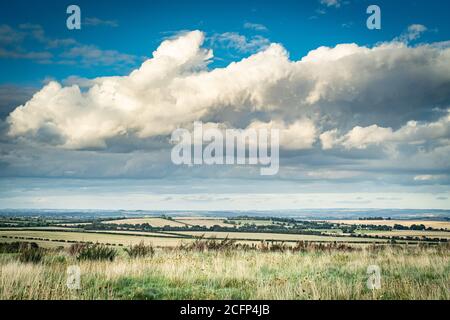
(86, 116)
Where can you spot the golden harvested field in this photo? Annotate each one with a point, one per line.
(391, 223)
(43, 228)
(43, 244)
(274, 236)
(115, 239)
(138, 233)
(154, 222)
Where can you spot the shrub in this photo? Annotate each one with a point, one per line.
(140, 250)
(201, 244)
(273, 246)
(30, 252)
(305, 246)
(11, 247)
(96, 252)
(212, 244)
(76, 248)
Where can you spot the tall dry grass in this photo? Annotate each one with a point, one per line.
(406, 273)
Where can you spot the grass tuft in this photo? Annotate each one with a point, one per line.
(140, 250)
(96, 252)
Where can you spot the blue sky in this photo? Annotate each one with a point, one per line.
(365, 112)
(141, 25)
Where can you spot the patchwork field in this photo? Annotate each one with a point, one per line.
(169, 240)
(119, 232)
(239, 258)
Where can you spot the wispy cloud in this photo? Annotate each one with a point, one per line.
(39, 56)
(37, 32)
(93, 21)
(255, 26)
(90, 55)
(15, 44)
(325, 4)
(413, 32)
(241, 43)
(9, 36)
(331, 3)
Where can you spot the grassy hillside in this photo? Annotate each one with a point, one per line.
(414, 272)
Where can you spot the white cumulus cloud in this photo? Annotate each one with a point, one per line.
(349, 95)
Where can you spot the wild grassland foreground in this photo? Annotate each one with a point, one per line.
(218, 271)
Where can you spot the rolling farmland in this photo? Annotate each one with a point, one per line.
(223, 258)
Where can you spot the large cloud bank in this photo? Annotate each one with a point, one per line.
(367, 92)
(346, 113)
